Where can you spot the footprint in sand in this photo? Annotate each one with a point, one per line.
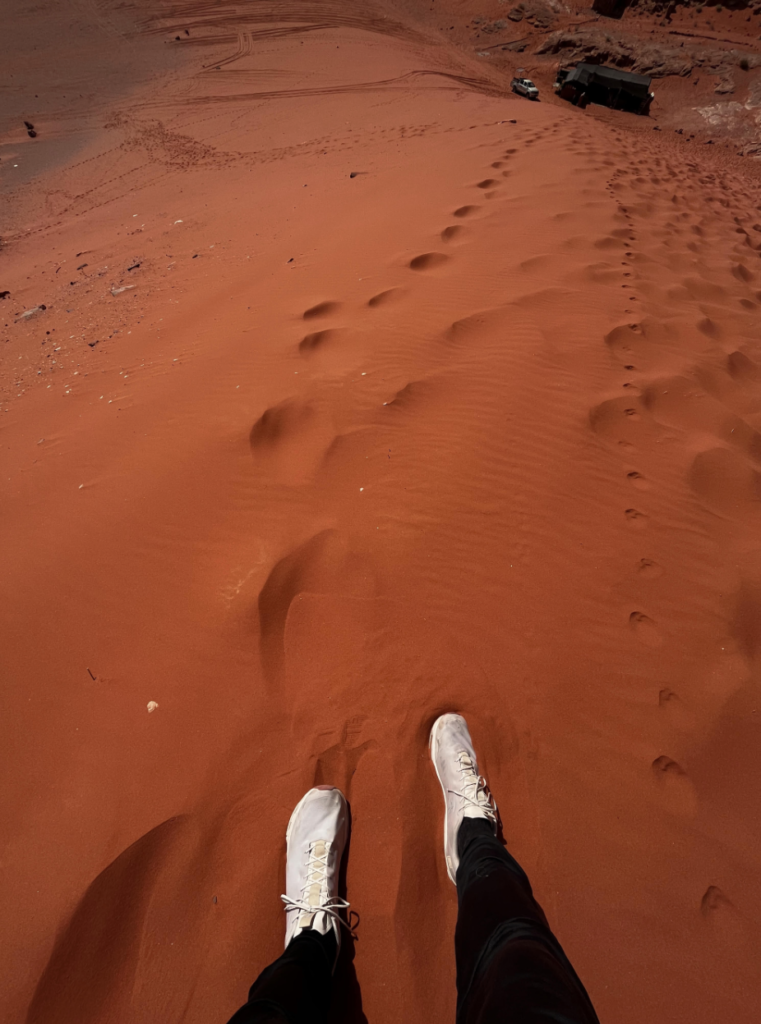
(451, 233)
(319, 340)
(741, 368)
(323, 564)
(121, 894)
(428, 261)
(487, 183)
(636, 518)
(742, 273)
(391, 295)
(321, 309)
(337, 764)
(410, 395)
(664, 766)
(279, 422)
(641, 346)
(709, 327)
(675, 786)
(645, 629)
(617, 420)
(713, 899)
(312, 566)
(466, 211)
(647, 567)
(289, 440)
(476, 326)
(638, 480)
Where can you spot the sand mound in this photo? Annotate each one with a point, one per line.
(362, 392)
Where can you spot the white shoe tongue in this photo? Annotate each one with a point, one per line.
(317, 849)
(312, 894)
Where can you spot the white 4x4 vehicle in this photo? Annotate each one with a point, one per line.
(525, 87)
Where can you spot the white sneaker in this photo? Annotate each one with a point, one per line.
(466, 794)
(315, 842)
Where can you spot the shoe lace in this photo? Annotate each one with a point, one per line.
(317, 873)
(473, 788)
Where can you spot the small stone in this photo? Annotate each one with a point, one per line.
(152, 705)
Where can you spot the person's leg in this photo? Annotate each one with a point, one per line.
(296, 988)
(510, 967)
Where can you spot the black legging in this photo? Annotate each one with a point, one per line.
(510, 967)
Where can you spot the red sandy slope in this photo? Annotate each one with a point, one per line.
(477, 428)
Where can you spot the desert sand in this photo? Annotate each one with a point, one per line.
(365, 390)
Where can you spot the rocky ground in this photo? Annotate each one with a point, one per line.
(704, 59)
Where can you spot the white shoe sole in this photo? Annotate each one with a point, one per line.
(433, 748)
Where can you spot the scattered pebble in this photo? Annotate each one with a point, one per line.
(31, 312)
(152, 705)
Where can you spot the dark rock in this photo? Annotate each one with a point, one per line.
(658, 60)
(537, 12)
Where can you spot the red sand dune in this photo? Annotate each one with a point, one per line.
(306, 458)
